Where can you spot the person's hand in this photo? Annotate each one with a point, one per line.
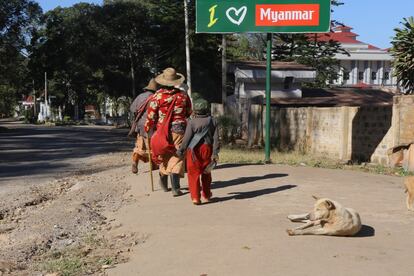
(216, 158)
(179, 153)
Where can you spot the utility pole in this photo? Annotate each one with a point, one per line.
(46, 98)
(187, 47)
(268, 94)
(134, 91)
(224, 71)
(34, 100)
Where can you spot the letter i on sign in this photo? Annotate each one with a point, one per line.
(213, 20)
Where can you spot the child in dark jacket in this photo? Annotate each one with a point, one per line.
(201, 146)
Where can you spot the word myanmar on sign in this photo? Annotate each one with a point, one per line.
(260, 16)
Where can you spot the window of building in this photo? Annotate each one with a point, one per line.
(386, 75)
(346, 75)
(374, 75)
(288, 83)
(379, 64)
(360, 76)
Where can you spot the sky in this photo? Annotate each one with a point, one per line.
(51, 4)
(373, 20)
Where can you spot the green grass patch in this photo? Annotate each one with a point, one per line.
(257, 156)
(86, 258)
(65, 266)
(93, 240)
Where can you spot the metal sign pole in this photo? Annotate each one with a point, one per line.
(187, 48)
(268, 95)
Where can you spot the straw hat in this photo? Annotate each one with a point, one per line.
(152, 85)
(170, 77)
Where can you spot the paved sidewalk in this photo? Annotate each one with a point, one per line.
(243, 233)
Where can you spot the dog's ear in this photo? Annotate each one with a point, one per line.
(330, 205)
(315, 197)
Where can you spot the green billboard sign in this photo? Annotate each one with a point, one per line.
(263, 16)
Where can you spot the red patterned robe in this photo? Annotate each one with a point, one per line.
(157, 111)
(158, 108)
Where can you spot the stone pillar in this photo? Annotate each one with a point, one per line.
(344, 155)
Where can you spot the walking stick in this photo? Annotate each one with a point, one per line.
(150, 161)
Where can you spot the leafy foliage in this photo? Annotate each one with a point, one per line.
(403, 52)
(308, 50)
(228, 127)
(299, 48)
(91, 52)
(18, 19)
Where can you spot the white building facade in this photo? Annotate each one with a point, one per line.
(287, 79)
(366, 65)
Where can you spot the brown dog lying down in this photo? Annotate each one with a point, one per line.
(327, 218)
(409, 189)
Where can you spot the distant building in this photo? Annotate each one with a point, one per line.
(367, 65)
(287, 79)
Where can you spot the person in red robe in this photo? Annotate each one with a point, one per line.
(201, 144)
(171, 165)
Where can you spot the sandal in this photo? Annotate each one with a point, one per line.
(134, 168)
(207, 199)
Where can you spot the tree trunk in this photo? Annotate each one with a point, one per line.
(134, 92)
(224, 71)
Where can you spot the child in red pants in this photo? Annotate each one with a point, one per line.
(201, 145)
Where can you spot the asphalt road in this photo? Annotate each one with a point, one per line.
(31, 153)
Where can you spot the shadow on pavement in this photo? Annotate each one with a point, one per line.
(14, 170)
(252, 194)
(244, 180)
(366, 231)
(33, 150)
(231, 165)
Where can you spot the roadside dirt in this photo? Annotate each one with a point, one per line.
(60, 226)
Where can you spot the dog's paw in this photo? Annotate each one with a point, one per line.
(291, 217)
(290, 232)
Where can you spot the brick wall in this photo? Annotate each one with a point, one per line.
(347, 133)
(371, 134)
(404, 119)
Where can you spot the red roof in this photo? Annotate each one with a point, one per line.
(90, 108)
(362, 85)
(28, 99)
(372, 47)
(338, 97)
(342, 34)
(342, 37)
(276, 65)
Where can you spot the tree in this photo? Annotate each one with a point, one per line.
(403, 52)
(308, 50)
(129, 46)
(18, 19)
(91, 52)
(66, 47)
